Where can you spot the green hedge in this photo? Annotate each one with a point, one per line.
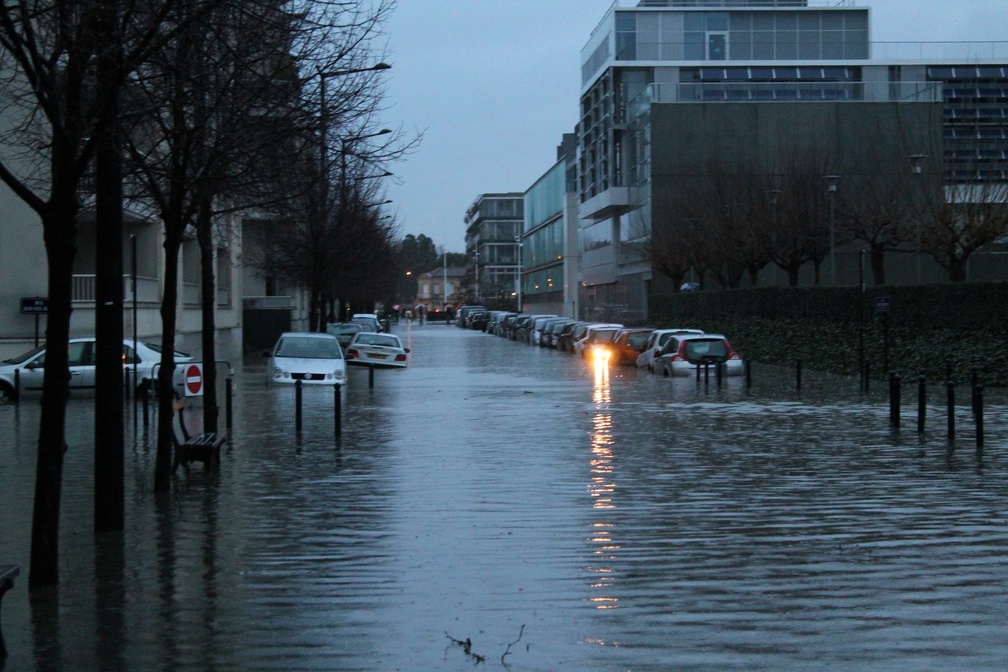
(962, 325)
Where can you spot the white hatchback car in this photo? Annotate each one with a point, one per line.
(656, 341)
(30, 366)
(314, 359)
(379, 350)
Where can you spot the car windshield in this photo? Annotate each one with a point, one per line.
(344, 328)
(21, 359)
(697, 349)
(309, 348)
(605, 336)
(377, 339)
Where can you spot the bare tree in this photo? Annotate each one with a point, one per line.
(50, 54)
(963, 218)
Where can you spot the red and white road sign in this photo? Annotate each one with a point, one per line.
(194, 380)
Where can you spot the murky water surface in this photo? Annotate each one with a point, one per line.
(558, 516)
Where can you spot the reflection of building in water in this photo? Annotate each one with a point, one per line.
(602, 488)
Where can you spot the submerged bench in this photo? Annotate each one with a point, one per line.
(7, 575)
(192, 444)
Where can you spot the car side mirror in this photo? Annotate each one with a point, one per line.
(31, 366)
(405, 349)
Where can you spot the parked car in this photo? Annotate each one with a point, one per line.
(369, 321)
(563, 340)
(380, 350)
(551, 329)
(588, 337)
(312, 358)
(655, 342)
(598, 344)
(478, 320)
(628, 344)
(507, 325)
(537, 326)
(521, 327)
(685, 352)
(31, 366)
(463, 313)
(344, 331)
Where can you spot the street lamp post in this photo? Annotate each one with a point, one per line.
(476, 263)
(324, 161)
(831, 187)
(444, 278)
(518, 276)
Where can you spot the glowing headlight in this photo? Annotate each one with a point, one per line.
(601, 354)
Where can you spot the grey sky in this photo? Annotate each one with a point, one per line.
(495, 83)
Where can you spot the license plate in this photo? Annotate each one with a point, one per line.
(373, 356)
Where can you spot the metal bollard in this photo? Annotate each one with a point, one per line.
(370, 376)
(948, 372)
(338, 411)
(921, 402)
(228, 401)
(894, 399)
(706, 374)
(718, 370)
(698, 375)
(297, 406)
(978, 416)
(950, 403)
(145, 392)
(974, 381)
(748, 374)
(17, 385)
(798, 373)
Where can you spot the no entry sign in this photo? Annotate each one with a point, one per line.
(194, 380)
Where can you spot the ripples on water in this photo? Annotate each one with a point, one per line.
(627, 522)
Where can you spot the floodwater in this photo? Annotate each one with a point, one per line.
(556, 515)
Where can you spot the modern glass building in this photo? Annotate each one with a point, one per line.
(758, 60)
(493, 229)
(548, 257)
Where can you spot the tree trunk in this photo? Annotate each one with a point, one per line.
(792, 275)
(166, 391)
(957, 269)
(878, 265)
(204, 235)
(60, 232)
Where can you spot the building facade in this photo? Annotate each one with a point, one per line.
(548, 255)
(675, 90)
(493, 232)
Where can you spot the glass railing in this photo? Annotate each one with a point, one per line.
(786, 92)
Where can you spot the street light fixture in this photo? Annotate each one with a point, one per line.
(831, 187)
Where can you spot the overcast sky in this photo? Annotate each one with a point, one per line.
(494, 84)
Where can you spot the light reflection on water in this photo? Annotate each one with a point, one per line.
(627, 521)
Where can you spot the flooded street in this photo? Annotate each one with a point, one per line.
(568, 517)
